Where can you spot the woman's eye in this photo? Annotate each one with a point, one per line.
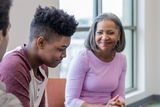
(99, 32)
(111, 33)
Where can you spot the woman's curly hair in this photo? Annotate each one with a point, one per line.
(50, 21)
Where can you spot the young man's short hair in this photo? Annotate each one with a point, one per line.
(51, 22)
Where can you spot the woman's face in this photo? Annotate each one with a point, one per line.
(106, 35)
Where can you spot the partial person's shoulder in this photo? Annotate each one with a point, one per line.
(120, 55)
(81, 56)
(80, 60)
(2, 87)
(15, 56)
(13, 52)
(84, 53)
(11, 57)
(15, 63)
(8, 99)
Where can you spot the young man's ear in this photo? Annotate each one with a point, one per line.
(1, 36)
(41, 42)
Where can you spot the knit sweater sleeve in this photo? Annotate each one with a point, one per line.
(75, 78)
(120, 90)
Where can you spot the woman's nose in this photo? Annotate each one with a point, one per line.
(105, 37)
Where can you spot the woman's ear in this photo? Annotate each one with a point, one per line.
(41, 42)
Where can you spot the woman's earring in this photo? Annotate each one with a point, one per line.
(117, 45)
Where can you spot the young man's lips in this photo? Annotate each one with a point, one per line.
(59, 60)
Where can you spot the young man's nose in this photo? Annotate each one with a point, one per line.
(64, 54)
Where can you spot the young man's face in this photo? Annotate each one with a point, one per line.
(3, 42)
(53, 53)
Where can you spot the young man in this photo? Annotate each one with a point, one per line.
(6, 99)
(24, 69)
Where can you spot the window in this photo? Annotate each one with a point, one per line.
(85, 11)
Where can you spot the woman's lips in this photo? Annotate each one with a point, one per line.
(105, 43)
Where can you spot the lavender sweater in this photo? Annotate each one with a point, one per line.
(94, 81)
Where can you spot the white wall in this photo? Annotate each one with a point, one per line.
(148, 59)
(155, 55)
(21, 15)
(148, 50)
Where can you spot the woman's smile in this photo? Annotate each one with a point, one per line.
(105, 43)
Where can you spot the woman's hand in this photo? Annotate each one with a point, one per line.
(122, 104)
(115, 102)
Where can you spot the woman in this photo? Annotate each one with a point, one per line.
(96, 76)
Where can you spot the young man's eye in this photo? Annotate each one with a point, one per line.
(60, 50)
